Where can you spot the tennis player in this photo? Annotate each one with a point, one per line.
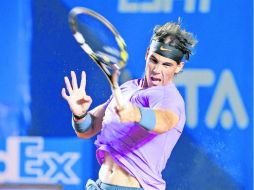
(136, 140)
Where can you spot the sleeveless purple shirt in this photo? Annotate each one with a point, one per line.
(140, 152)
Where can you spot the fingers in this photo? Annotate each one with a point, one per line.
(74, 80)
(124, 113)
(64, 95)
(123, 116)
(74, 86)
(68, 85)
(83, 80)
(128, 113)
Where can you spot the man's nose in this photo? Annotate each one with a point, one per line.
(157, 68)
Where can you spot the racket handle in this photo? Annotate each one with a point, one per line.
(118, 96)
(116, 91)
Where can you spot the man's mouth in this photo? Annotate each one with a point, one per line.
(155, 79)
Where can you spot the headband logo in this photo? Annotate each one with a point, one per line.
(164, 49)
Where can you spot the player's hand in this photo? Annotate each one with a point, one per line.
(128, 113)
(77, 99)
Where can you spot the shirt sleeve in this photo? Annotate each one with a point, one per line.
(168, 99)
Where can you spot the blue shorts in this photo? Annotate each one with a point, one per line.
(98, 185)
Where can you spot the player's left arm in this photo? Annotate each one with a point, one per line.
(156, 120)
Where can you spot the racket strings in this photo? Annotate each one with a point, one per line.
(99, 39)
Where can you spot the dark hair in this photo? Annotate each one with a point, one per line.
(172, 34)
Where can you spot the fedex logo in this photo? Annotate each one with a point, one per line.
(25, 160)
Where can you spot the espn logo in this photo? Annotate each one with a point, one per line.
(162, 6)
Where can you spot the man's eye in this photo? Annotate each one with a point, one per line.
(166, 65)
(153, 60)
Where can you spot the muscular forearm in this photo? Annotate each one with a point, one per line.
(156, 120)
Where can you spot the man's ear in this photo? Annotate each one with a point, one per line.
(179, 67)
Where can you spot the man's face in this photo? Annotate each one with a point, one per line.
(160, 70)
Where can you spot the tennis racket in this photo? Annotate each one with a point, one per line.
(102, 42)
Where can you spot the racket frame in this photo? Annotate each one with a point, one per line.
(113, 79)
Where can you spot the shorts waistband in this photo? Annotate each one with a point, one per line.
(104, 186)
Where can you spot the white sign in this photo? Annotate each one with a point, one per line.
(226, 90)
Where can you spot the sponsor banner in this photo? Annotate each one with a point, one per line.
(37, 160)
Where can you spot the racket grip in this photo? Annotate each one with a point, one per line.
(118, 96)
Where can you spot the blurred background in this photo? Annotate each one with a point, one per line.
(38, 147)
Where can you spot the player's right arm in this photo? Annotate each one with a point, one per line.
(86, 124)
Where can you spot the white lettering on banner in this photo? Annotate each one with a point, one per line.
(163, 6)
(10, 160)
(40, 166)
(199, 78)
(225, 91)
